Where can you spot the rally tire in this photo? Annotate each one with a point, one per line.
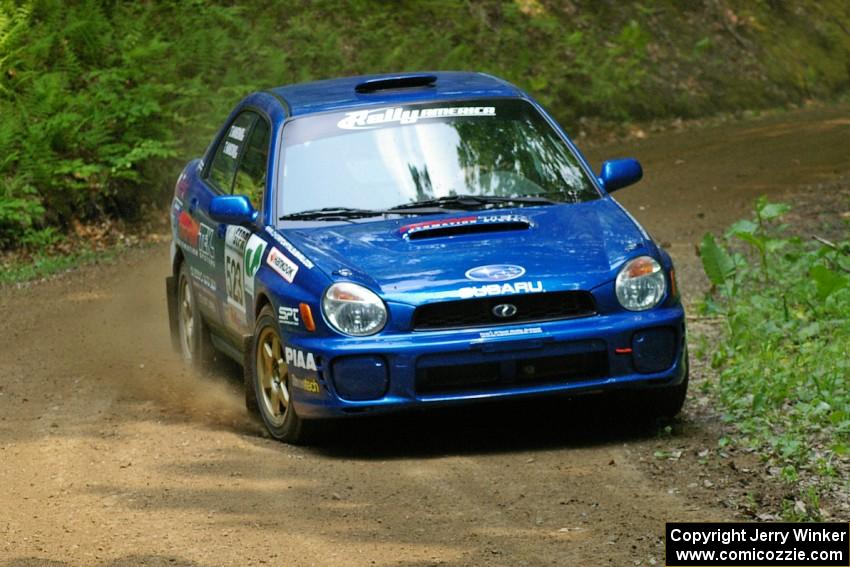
(193, 335)
(270, 383)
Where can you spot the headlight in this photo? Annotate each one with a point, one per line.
(352, 309)
(640, 284)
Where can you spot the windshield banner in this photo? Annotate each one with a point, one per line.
(365, 119)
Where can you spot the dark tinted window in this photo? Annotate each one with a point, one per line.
(251, 177)
(223, 166)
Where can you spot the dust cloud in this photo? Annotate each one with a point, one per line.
(120, 340)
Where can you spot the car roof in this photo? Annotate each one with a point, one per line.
(335, 94)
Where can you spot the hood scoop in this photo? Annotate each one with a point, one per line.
(478, 224)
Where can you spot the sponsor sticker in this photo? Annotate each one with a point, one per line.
(231, 149)
(409, 229)
(234, 250)
(237, 133)
(500, 289)
(366, 119)
(412, 228)
(282, 265)
(206, 246)
(289, 316)
(252, 261)
(510, 333)
(204, 279)
(188, 230)
(299, 359)
(307, 384)
(288, 246)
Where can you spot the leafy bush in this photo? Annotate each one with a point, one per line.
(99, 98)
(784, 363)
(80, 114)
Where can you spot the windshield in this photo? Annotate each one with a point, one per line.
(383, 158)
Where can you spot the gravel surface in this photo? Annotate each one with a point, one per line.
(112, 454)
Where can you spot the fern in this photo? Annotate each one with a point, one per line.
(98, 97)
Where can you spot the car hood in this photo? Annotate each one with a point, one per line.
(423, 259)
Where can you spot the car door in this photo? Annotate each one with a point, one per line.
(218, 179)
(246, 157)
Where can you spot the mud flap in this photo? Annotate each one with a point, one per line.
(248, 375)
(171, 298)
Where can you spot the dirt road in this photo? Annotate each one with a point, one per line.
(112, 454)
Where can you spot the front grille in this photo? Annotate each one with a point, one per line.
(486, 376)
(534, 307)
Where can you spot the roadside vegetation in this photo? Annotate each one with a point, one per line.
(784, 357)
(101, 101)
(41, 265)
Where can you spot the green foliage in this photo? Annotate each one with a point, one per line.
(784, 364)
(82, 110)
(718, 264)
(43, 265)
(99, 99)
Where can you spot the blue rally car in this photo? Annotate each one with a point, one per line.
(388, 242)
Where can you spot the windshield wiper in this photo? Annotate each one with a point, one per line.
(337, 213)
(425, 207)
(471, 202)
(328, 212)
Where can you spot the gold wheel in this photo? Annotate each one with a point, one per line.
(272, 376)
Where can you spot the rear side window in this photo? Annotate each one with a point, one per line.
(251, 175)
(230, 148)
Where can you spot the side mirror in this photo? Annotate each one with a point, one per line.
(232, 209)
(619, 173)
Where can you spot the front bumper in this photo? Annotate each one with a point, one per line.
(560, 357)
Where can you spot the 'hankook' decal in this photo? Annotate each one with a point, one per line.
(282, 265)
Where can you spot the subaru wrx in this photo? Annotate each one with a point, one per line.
(388, 242)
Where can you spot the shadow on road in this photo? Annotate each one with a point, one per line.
(502, 427)
(483, 428)
(127, 561)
